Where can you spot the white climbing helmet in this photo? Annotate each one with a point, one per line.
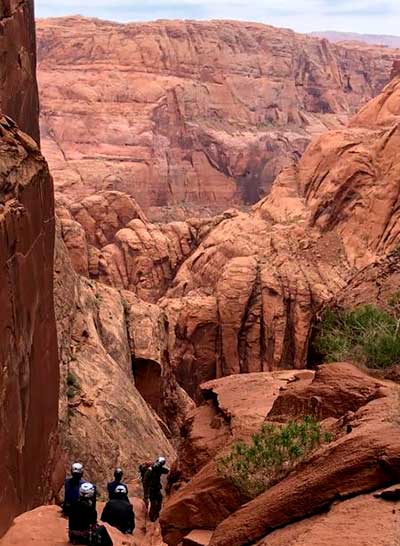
(87, 490)
(121, 490)
(77, 468)
(161, 461)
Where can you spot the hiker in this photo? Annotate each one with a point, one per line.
(82, 521)
(72, 486)
(118, 511)
(143, 468)
(111, 486)
(152, 487)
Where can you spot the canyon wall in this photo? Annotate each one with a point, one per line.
(18, 86)
(241, 291)
(28, 341)
(190, 116)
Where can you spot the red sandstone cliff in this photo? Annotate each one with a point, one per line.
(18, 87)
(241, 291)
(28, 340)
(190, 114)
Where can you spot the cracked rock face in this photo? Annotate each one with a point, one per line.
(29, 375)
(190, 114)
(18, 87)
(241, 291)
(28, 339)
(105, 421)
(362, 457)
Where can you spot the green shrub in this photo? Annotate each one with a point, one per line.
(367, 335)
(73, 384)
(272, 454)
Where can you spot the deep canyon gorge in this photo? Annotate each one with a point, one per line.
(200, 193)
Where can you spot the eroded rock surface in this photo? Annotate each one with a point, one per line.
(362, 457)
(190, 114)
(105, 422)
(18, 86)
(28, 339)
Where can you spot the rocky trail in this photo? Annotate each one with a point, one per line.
(217, 189)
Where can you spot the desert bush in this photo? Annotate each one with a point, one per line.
(73, 385)
(271, 455)
(367, 335)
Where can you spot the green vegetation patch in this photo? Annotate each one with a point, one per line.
(73, 385)
(271, 455)
(367, 335)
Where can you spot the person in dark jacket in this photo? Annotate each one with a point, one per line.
(111, 486)
(82, 520)
(72, 486)
(152, 487)
(143, 468)
(118, 511)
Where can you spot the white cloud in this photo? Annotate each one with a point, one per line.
(364, 16)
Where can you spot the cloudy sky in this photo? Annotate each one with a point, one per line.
(364, 16)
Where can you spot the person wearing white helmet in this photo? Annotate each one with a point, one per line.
(111, 486)
(82, 521)
(118, 511)
(71, 487)
(152, 487)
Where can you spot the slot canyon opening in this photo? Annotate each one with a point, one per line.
(147, 376)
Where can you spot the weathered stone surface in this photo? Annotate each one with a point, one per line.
(198, 537)
(18, 86)
(233, 408)
(334, 390)
(364, 456)
(363, 521)
(245, 300)
(28, 342)
(46, 527)
(105, 422)
(159, 111)
(201, 504)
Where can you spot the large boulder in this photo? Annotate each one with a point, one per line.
(362, 521)
(231, 408)
(364, 456)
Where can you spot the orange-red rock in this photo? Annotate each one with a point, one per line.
(363, 456)
(334, 390)
(18, 86)
(44, 526)
(104, 420)
(28, 339)
(232, 408)
(245, 300)
(187, 112)
(363, 521)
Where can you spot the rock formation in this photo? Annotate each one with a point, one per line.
(104, 335)
(240, 292)
(190, 114)
(28, 341)
(362, 457)
(46, 527)
(18, 87)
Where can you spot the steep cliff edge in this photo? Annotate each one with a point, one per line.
(28, 339)
(190, 114)
(18, 86)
